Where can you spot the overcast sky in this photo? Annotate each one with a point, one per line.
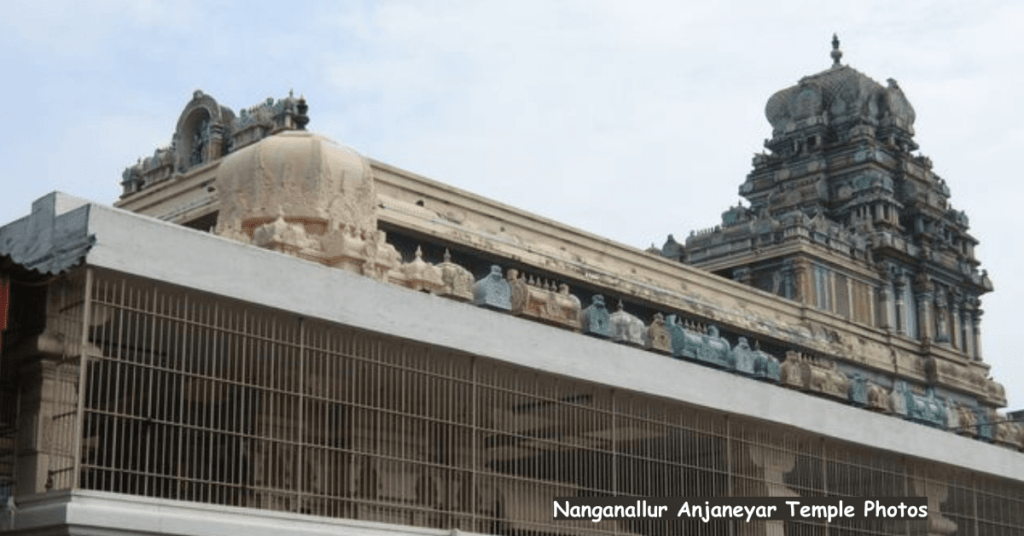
(630, 120)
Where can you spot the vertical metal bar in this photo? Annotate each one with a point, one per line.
(974, 495)
(474, 456)
(300, 443)
(186, 328)
(82, 378)
(728, 456)
(149, 395)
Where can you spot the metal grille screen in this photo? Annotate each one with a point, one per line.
(196, 398)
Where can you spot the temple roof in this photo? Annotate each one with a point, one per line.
(836, 96)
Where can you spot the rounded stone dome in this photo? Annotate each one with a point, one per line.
(302, 177)
(835, 96)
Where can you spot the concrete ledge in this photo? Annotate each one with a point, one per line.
(95, 513)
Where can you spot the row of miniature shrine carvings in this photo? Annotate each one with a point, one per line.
(692, 341)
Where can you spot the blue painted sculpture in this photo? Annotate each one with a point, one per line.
(744, 357)
(926, 409)
(766, 366)
(708, 348)
(986, 430)
(493, 291)
(858, 394)
(595, 320)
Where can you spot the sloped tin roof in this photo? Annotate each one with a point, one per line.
(52, 239)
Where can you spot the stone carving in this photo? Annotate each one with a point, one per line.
(814, 375)
(627, 328)
(858, 393)
(754, 362)
(878, 398)
(458, 281)
(422, 276)
(985, 428)
(766, 366)
(658, 337)
(285, 237)
(898, 398)
(542, 302)
(595, 319)
(256, 122)
(792, 370)
(825, 378)
(702, 344)
(198, 137)
(344, 249)
(926, 409)
(1007, 433)
(672, 249)
(952, 415)
(743, 357)
(380, 258)
(493, 291)
(968, 420)
(996, 392)
(200, 140)
(936, 488)
(148, 171)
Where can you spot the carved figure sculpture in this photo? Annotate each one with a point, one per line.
(627, 328)
(1007, 433)
(792, 370)
(825, 379)
(986, 430)
(532, 300)
(926, 409)
(344, 249)
(421, 275)
(200, 139)
(658, 337)
(766, 366)
(858, 393)
(696, 343)
(493, 291)
(595, 319)
(458, 281)
(744, 357)
(952, 415)
(878, 398)
(898, 398)
(380, 257)
(283, 237)
(968, 421)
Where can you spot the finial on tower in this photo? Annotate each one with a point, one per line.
(836, 53)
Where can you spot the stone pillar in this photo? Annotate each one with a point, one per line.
(37, 382)
(976, 321)
(956, 335)
(788, 278)
(925, 298)
(901, 306)
(941, 317)
(802, 281)
(968, 332)
(742, 275)
(772, 465)
(885, 306)
(215, 149)
(936, 489)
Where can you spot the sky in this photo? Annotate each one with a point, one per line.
(630, 120)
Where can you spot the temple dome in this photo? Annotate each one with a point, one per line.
(300, 177)
(840, 95)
